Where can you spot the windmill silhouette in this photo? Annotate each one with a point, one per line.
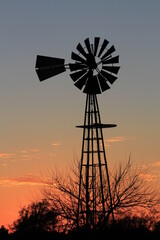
(93, 72)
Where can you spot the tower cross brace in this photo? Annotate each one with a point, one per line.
(94, 182)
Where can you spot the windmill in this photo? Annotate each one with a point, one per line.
(93, 71)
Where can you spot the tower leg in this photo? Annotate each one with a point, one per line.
(94, 182)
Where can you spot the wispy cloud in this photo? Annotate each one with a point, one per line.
(19, 156)
(56, 144)
(148, 176)
(116, 139)
(153, 165)
(156, 164)
(23, 151)
(35, 150)
(21, 181)
(151, 171)
(6, 155)
(4, 164)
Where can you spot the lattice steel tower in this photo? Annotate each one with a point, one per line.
(93, 72)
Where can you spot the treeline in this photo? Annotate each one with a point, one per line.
(135, 204)
(127, 229)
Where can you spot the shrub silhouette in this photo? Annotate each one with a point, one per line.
(36, 220)
(4, 233)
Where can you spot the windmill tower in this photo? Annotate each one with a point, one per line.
(93, 72)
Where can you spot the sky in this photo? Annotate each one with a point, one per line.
(38, 119)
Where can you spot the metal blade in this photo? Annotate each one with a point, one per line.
(111, 60)
(92, 49)
(82, 81)
(81, 50)
(112, 69)
(87, 42)
(103, 83)
(76, 57)
(96, 44)
(109, 51)
(104, 45)
(92, 86)
(109, 77)
(76, 66)
(48, 72)
(76, 75)
(43, 61)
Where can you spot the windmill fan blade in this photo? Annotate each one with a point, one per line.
(92, 86)
(112, 69)
(81, 50)
(103, 83)
(108, 76)
(89, 73)
(87, 42)
(76, 57)
(76, 75)
(76, 66)
(82, 81)
(104, 45)
(110, 51)
(47, 67)
(111, 60)
(96, 44)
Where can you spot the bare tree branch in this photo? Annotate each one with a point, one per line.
(131, 193)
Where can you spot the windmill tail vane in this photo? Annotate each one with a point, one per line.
(93, 71)
(47, 67)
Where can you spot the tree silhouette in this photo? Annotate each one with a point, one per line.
(38, 217)
(157, 227)
(4, 233)
(131, 194)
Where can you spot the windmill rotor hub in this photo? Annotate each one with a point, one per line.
(98, 59)
(91, 62)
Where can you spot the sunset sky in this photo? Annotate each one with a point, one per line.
(37, 133)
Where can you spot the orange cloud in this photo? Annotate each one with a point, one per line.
(116, 139)
(21, 181)
(23, 151)
(148, 176)
(56, 144)
(4, 165)
(6, 155)
(23, 155)
(156, 164)
(36, 150)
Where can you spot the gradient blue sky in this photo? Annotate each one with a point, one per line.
(38, 119)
